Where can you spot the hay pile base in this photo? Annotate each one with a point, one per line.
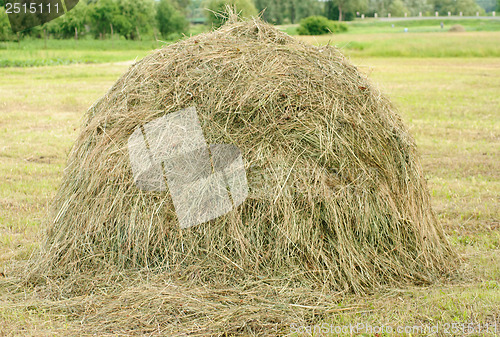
(337, 197)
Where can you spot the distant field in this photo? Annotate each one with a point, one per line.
(422, 26)
(450, 104)
(425, 38)
(373, 26)
(420, 45)
(38, 52)
(35, 52)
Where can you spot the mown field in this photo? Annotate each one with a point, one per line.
(449, 99)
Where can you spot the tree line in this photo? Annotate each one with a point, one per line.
(130, 19)
(133, 19)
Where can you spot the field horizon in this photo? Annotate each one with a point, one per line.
(424, 39)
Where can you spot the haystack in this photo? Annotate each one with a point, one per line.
(336, 195)
(457, 29)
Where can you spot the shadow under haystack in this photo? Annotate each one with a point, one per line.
(337, 198)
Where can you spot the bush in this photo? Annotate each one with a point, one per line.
(338, 27)
(319, 25)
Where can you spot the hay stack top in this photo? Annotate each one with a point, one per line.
(335, 185)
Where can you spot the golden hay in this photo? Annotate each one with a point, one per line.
(457, 29)
(337, 197)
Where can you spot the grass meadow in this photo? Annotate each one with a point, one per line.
(364, 39)
(374, 26)
(445, 85)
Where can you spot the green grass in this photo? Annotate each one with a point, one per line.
(372, 26)
(36, 52)
(40, 115)
(197, 29)
(62, 52)
(419, 45)
(424, 39)
(289, 29)
(450, 104)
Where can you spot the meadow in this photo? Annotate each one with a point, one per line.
(445, 86)
(397, 25)
(364, 39)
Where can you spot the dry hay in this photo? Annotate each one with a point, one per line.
(457, 29)
(336, 188)
(337, 201)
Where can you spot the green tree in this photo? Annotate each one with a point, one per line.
(487, 5)
(216, 9)
(467, 7)
(170, 19)
(381, 7)
(299, 9)
(136, 17)
(281, 11)
(122, 25)
(101, 16)
(182, 4)
(195, 12)
(273, 11)
(397, 8)
(66, 25)
(416, 6)
(128, 18)
(344, 9)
